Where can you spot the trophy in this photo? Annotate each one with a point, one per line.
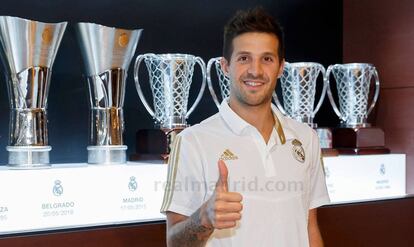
(223, 80)
(29, 49)
(298, 82)
(355, 135)
(170, 78)
(107, 53)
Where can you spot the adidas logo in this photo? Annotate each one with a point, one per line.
(228, 155)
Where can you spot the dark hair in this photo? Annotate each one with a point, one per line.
(251, 20)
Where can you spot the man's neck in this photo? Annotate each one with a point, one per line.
(261, 117)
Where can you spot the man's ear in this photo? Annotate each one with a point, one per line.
(224, 66)
(281, 66)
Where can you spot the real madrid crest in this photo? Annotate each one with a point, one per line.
(297, 151)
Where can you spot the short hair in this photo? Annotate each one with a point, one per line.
(251, 20)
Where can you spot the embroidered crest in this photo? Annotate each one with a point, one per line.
(228, 155)
(298, 151)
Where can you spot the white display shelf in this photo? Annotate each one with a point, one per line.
(78, 195)
(358, 178)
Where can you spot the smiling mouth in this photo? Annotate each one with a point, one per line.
(253, 83)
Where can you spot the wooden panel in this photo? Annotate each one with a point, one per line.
(148, 235)
(381, 32)
(379, 224)
(357, 225)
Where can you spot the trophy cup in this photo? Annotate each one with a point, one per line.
(355, 135)
(223, 80)
(107, 53)
(29, 50)
(298, 83)
(170, 77)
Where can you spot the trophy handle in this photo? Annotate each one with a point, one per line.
(200, 62)
(138, 61)
(209, 82)
(377, 89)
(329, 92)
(278, 104)
(323, 94)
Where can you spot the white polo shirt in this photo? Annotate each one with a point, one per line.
(280, 180)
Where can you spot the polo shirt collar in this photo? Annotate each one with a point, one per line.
(288, 132)
(234, 121)
(239, 125)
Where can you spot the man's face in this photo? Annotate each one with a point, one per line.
(253, 68)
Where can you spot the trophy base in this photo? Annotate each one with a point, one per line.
(363, 151)
(360, 137)
(154, 144)
(150, 158)
(329, 152)
(28, 157)
(106, 155)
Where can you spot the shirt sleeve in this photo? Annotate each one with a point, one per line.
(318, 191)
(185, 188)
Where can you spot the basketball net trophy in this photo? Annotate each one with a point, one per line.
(170, 77)
(223, 80)
(298, 83)
(29, 49)
(355, 135)
(107, 53)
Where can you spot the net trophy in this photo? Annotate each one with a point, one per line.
(223, 80)
(355, 135)
(170, 79)
(298, 82)
(29, 49)
(107, 53)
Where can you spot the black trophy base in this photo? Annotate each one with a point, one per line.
(150, 158)
(154, 144)
(363, 151)
(359, 141)
(329, 152)
(363, 137)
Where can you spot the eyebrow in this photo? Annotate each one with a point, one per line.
(263, 54)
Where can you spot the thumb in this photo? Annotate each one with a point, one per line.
(222, 184)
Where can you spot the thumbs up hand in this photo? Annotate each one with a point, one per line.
(222, 184)
(223, 209)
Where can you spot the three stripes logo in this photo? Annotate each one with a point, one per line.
(228, 155)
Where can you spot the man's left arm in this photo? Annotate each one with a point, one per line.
(315, 238)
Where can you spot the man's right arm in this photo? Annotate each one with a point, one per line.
(187, 231)
(222, 210)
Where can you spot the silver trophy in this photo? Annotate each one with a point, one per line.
(298, 83)
(223, 80)
(353, 82)
(170, 77)
(107, 53)
(29, 49)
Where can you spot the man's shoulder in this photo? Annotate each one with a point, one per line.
(209, 126)
(301, 130)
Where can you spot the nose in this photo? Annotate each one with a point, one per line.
(255, 68)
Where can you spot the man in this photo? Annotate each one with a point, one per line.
(247, 176)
